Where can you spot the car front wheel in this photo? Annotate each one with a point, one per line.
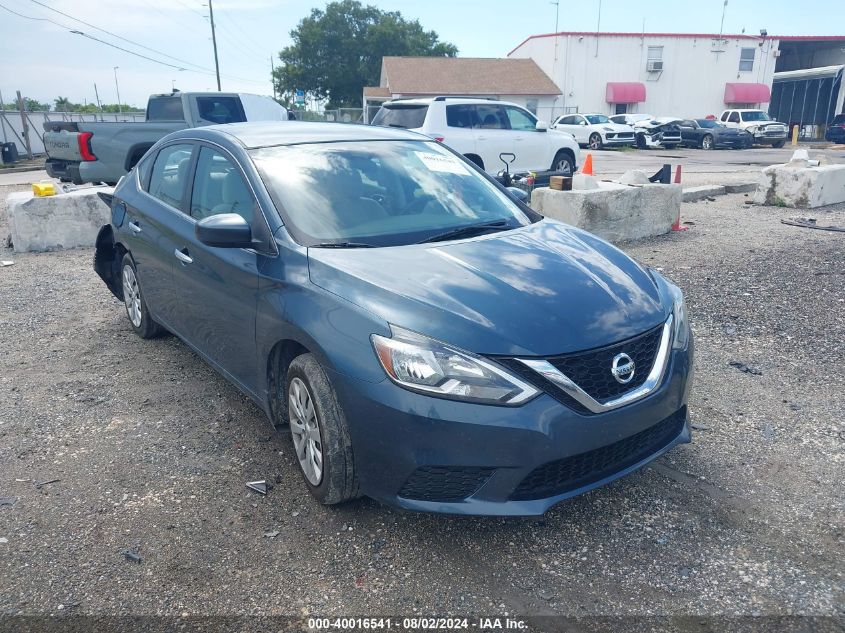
(133, 299)
(595, 141)
(320, 433)
(707, 142)
(563, 163)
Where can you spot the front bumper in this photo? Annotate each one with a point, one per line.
(423, 453)
(615, 139)
(735, 141)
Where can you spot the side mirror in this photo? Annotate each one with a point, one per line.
(583, 123)
(541, 126)
(226, 230)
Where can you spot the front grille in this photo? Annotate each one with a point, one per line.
(445, 483)
(581, 470)
(590, 370)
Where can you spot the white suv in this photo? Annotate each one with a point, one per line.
(765, 130)
(481, 129)
(595, 130)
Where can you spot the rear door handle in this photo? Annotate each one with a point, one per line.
(133, 226)
(183, 257)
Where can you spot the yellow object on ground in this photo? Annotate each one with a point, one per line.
(42, 189)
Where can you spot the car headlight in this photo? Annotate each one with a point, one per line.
(422, 364)
(752, 129)
(680, 338)
(607, 129)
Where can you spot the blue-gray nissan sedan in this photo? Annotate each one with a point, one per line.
(430, 341)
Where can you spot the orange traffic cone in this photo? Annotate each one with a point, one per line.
(587, 168)
(677, 225)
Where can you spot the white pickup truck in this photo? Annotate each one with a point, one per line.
(756, 122)
(103, 152)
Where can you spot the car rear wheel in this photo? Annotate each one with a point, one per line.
(320, 433)
(595, 141)
(707, 142)
(563, 163)
(133, 299)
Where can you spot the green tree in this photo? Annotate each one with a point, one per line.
(63, 104)
(338, 51)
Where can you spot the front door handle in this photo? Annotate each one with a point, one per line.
(183, 257)
(133, 226)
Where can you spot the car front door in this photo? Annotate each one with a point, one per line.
(689, 132)
(492, 135)
(147, 228)
(217, 287)
(530, 145)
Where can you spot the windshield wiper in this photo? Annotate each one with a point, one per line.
(466, 231)
(343, 245)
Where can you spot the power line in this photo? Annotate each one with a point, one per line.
(125, 50)
(120, 37)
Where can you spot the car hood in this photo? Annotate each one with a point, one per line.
(656, 122)
(546, 288)
(727, 131)
(617, 127)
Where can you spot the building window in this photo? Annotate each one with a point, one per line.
(746, 59)
(621, 108)
(655, 59)
(531, 105)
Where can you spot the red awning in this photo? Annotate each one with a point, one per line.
(625, 92)
(747, 93)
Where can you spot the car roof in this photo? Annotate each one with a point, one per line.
(272, 133)
(447, 100)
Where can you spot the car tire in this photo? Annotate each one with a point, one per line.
(320, 433)
(707, 142)
(641, 144)
(563, 162)
(778, 144)
(133, 300)
(595, 141)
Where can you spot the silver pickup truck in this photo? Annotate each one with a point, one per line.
(103, 152)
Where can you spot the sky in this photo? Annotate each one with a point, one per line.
(44, 60)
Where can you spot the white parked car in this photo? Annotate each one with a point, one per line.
(482, 129)
(652, 131)
(595, 130)
(765, 130)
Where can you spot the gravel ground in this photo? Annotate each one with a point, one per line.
(151, 449)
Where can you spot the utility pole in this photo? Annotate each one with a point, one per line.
(214, 42)
(117, 88)
(99, 105)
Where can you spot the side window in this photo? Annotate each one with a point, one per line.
(490, 117)
(725, 115)
(734, 117)
(520, 120)
(220, 109)
(569, 120)
(170, 171)
(219, 187)
(459, 116)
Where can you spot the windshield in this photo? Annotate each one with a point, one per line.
(380, 193)
(755, 115)
(708, 123)
(408, 116)
(596, 118)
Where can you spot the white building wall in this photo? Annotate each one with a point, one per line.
(692, 83)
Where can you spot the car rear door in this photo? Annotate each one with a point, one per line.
(217, 287)
(492, 135)
(147, 229)
(570, 124)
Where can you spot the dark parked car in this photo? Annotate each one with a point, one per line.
(836, 130)
(712, 134)
(431, 342)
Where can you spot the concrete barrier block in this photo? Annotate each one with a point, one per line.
(67, 220)
(693, 194)
(740, 187)
(796, 185)
(584, 182)
(614, 212)
(634, 177)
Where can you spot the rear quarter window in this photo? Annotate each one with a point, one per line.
(408, 116)
(165, 109)
(220, 110)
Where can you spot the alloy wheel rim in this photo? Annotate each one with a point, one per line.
(595, 143)
(132, 296)
(564, 166)
(708, 142)
(305, 431)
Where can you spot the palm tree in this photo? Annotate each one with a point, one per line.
(63, 104)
